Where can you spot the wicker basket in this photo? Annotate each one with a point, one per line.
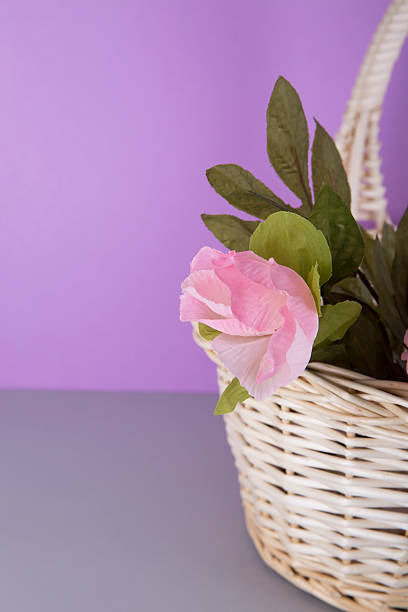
(323, 464)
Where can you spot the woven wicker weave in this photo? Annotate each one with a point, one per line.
(323, 470)
(323, 464)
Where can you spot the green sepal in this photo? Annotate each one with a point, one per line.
(313, 280)
(207, 332)
(231, 396)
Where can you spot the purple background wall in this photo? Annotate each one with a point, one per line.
(109, 114)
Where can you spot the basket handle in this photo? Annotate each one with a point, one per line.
(357, 139)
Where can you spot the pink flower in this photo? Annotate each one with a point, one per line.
(265, 311)
(404, 354)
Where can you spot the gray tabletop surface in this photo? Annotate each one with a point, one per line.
(126, 502)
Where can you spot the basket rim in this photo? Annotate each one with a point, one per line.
(394, 393)
(400, 388)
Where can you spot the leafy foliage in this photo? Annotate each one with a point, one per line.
(245, 192)
(363, 279)
(368, 348)
(327, 167)
(341, 231)
(399, 266)
(388, 242)
(288, 139)
(335, 321)
(387, 303)
(233, 232)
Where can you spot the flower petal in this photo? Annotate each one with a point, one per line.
(242, 356)
(207, 287)
(252, 303)
(255, 268)
(298, 355)
(275, 276)
(297, 358)
(300, 299)
(208, 259)
(278, 347)
(245, 358)
(192, 309)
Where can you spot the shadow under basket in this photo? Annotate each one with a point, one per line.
(323, 472)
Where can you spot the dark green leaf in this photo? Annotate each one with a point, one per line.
(368, 262)
(293, 242)
(354, 288)
(365, 348)
(207, 332)
(241, 189)
(327, 166)
(388, 241)
(400, 266)
(232, 395)
(341, 231)
(368, 347)
(288, 139)
(335, 354)
(335, 321)
(387, 303)
(231, 231)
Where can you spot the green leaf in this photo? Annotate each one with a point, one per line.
(232, 395)
(368, 348)
(207, 332)
(341, 231)
(335, 321)
(387, 300)
(386, 284)
(334, 354)
(368, 262)
(288, 139)
(293, 242)
(313, 280)
(327, 166)
(230, 230)
(400, 265)
(388, 241)
(241, 189)
(354, 288)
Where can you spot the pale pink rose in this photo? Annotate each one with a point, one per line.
(265, 311)
(404, 354)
